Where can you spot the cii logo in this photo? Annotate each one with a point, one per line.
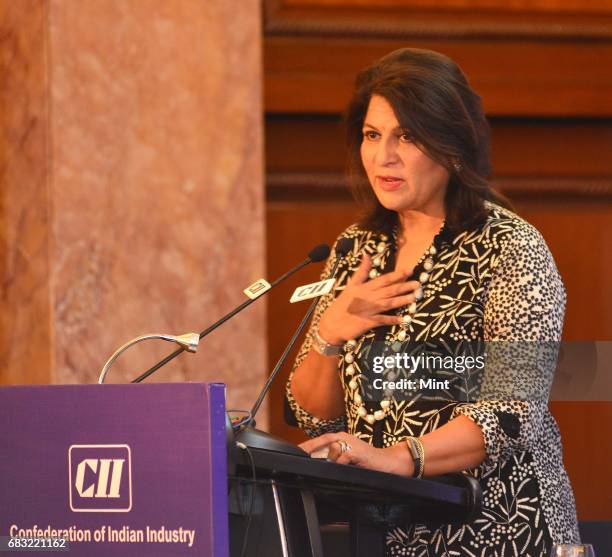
(100, 478)
(312, 290)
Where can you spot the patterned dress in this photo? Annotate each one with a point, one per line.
(497, 284)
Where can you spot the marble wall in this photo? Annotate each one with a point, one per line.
(26, 341)
(135, 204)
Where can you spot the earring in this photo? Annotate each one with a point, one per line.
(457, 165)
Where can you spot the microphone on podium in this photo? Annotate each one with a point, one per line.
(257, 289)
(245, 431)
(190, 341)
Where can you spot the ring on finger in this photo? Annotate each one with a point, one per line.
(344, 446)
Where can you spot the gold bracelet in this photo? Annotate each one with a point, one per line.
(415, 446)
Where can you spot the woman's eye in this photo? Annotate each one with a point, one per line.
(407, 137)
(371, 135)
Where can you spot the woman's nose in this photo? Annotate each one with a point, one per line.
(387, 152)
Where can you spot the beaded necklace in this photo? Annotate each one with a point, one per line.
(350, 347)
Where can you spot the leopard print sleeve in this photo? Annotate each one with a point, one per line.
(523, 319)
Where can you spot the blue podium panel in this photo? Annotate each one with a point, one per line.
(116, 469)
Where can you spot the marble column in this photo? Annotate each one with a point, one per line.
(132, 188)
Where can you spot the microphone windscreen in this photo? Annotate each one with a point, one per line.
(343, 247)
(319, 253)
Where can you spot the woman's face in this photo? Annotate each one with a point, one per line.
(403, 177)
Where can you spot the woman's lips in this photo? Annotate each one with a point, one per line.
(389, 183)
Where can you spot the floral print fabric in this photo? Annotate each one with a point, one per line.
(496, 283)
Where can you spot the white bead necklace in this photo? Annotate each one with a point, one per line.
(351, 346)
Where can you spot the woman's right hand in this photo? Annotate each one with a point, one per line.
(361, 305)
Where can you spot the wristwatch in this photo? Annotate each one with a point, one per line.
(323, 347)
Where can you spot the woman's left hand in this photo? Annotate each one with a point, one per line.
(393, 460)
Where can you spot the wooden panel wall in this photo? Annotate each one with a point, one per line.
(522, 6)
(544, 70)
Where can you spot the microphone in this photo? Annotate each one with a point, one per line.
(188, 341)
(318, 253)
(247, 433)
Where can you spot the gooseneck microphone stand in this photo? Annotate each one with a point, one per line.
(318, 253)
(188, 341)
(245, 431)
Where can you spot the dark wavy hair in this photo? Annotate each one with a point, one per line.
(432, 98)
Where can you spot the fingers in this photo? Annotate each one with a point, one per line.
(395, 279)
(374, 309)
(345, 458)
(322, 441)
(381, 320)
(399, 289)
(361, 274)
(335, 450)
(339, 454)
(370, 314)
(364, 306)
(318, 442)
(390, 278)
(397, 302)
(335, 441)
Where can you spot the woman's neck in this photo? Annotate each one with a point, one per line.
(416, 223)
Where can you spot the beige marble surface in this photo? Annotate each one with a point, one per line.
(155, 187)
(26, 338)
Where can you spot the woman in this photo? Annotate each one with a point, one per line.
(437, 258)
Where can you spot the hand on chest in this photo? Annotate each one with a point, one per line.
(452, 281)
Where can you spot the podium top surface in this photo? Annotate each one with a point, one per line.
(447, 498)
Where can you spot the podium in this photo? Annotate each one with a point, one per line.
(153, 470)
(295, 496)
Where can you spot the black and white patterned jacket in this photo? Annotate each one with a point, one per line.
(498, 284)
